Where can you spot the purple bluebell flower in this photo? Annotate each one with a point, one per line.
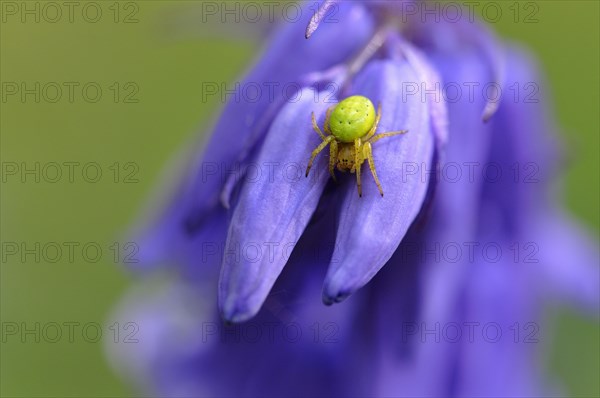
(415, 320)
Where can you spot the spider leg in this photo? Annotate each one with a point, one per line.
(368, 153)
(333, 153)
(318, 149)
(358, 159)
(374, 128)
(383, 135)
(316, 127)
(327, 116)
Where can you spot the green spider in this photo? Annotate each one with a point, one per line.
(350, 126)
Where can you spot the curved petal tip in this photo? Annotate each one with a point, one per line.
(337, 290)
(316, 19)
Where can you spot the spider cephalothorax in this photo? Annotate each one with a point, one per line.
(349, 131)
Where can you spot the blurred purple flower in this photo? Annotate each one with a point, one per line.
(421, 321)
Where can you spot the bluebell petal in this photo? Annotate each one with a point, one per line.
(564, 258)
(523, 149)
(445, 35)
(428, 74)
(156, 322)
(454, 220)
(274, 209)
(561, 257)
(501, 358)
(371, 227)
(456, 207)
(319, 16)
(490, 46)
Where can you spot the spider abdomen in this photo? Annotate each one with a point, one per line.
(352, 118)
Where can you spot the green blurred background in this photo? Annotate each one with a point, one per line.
(161, 61)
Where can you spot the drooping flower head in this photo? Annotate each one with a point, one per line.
(282, 244)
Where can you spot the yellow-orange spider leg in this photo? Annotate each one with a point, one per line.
(318, 149)
(316, 127)
(383, 135)
(358, 159)
(327, 115)
(368, 154)
(333, 152)
(374, 128)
